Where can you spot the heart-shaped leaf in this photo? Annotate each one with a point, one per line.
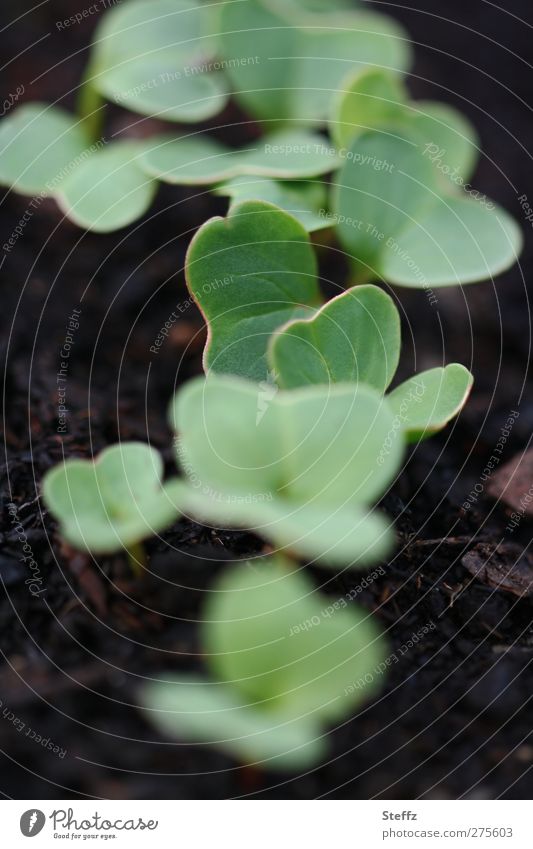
(250, 273)
(306, 201)
(301, 60)
(107, 190)
(280, 667)
(200, 160)
(376, 99)
(156, 57)
(395, 223)
(39, 146)
(355, 337)
(111, 503)
(300, 468)
(425, 404)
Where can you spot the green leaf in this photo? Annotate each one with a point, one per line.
(249, 273)
(306, 201)
(395, 223)
(200, 160)
(374, 99)
(111, 503)
(108, 190)
(355, 337)
(39, 145)
(210, 712)
(253, 641)
(369, 99)
(425, 404)
(457, 241)
(282, 663)
(313, 494)
(450, 140)
(301, 60)
(156, 57)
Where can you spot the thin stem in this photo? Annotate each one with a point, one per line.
(360, 273)
(90, 108)
(136, 558)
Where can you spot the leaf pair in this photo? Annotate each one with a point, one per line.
(264, 318)
(402, 205)
(111, 503)
(280, 669)
(301, 468)
(356, 337)
(302, 57)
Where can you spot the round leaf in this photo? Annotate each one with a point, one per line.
(369, 99)
(39, 146)
(301, 60)
(210, 712)
(426, 403)
(108, 190)
(200, 160)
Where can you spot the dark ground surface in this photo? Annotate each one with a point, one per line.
(456, 715)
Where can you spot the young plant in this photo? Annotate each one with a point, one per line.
(301, 468)
(169, 59)
(267, 319)
(112, 503)
(403, 213)
(275, 679)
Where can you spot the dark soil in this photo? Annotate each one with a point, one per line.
(455, 716)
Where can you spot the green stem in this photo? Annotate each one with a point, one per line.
(360, 273)
(136, 558)
(90, 108)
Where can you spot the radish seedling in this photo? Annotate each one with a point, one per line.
(112, 503)
(271, 688)
(301, 468)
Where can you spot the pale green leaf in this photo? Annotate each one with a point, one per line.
(301, 60)
(250, 272)
(200, 160)
(111, 503)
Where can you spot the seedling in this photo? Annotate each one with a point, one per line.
(355, 337)
(112, 503)
(274, 680)
(267, 257)
(302, 468)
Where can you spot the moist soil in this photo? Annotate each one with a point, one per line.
(454, 715)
